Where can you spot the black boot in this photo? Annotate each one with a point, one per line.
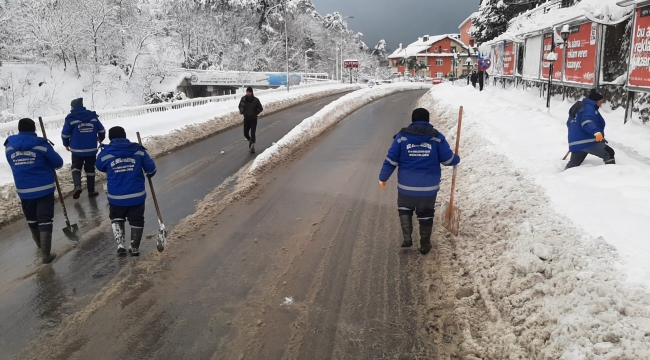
(91, 186)
(36, 235)
(76, 180)
(118, 232)
(425, 238)
(46, 246)
(136, 236)
(407, 229)
(252, 147)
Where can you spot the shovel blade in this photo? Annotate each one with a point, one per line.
(71, 232)
(162, 238)
(451, 218)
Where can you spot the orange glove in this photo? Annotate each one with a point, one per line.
(382, 185)
(599, 137)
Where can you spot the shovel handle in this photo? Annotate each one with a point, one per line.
(153, 192)
(567, 155)
(56, 178)
(453, 178)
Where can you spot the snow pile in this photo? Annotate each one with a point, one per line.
(168, 131)
(543, 287)
(334, 112)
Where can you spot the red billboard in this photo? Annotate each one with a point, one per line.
(639, 74)
(582, 52)
(509, 59)
(351, 64)
(546, 65)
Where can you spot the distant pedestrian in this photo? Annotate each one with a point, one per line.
(587, 131)
(81, 132)
(481, 79)
(126, 164)
(418, 150)
(474, 78)
(33, 162)
(250, 107)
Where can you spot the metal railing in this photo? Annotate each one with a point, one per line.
(57, 121)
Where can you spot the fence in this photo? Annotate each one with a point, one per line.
(56, 122)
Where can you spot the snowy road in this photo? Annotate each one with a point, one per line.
(34, 298)
(305, 266)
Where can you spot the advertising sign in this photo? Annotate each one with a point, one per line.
(639, 73)
(220, 78)
(582, 53)
(532, 57)
(498, 59)
(351, 64)
(509, 59)
(557, 65)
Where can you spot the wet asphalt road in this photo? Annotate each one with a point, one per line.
(307, 266)
(34, 297)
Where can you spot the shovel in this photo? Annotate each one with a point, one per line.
(162, 233)
(451, 218)
(567, 155)
(70, 230)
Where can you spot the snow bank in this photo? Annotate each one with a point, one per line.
(167, 131)
(545, 288)
(326, 117)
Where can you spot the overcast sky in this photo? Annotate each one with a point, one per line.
(400, 21)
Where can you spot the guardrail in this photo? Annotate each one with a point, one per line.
(56, 121)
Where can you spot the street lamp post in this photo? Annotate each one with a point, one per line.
(286, 42)
(469, 64)
(454, 64)
(552, 57)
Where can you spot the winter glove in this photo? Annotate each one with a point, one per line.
(67, 148)
(599, 137)
(382, 185)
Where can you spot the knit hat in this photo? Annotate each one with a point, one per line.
(420, 114)
(77, 103)
(116, 132)
(594, 95)
(26, 125)
(249, 89)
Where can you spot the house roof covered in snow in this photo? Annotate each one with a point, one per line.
(468, 19)
(551, 14)
(423, 44)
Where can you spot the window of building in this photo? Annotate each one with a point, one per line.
(439, 62)
(436, 49)
(453, 49)
(438, 74)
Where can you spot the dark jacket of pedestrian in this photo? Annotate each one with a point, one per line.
(33, 161)
(250, 106)
(584, 122)
(82, 130)
(125, 164)
(474, 78)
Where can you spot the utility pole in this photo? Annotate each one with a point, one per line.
(286, 41)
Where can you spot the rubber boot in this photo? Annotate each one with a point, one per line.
(611, 162)
(425, 238)
(46, 246)
(118, 232)
(252, 147)
(136, 236)
(76, 180)
(407, 229)
(36, 236)
(90, 180)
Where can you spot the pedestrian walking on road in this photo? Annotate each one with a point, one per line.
(250, 107)
(418, 150)
(474, 78)
(33, 162)
(481, 80)
(587, 131)
(81, 132)
(125, 164)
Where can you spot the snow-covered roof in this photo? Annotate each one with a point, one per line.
(421, 45)
(535, 21)
(468, 19)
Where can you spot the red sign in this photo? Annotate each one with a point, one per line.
(546, 65)
(640, 50)
(351, 64)
(436, 81)
(581, 54)
(509, 59)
